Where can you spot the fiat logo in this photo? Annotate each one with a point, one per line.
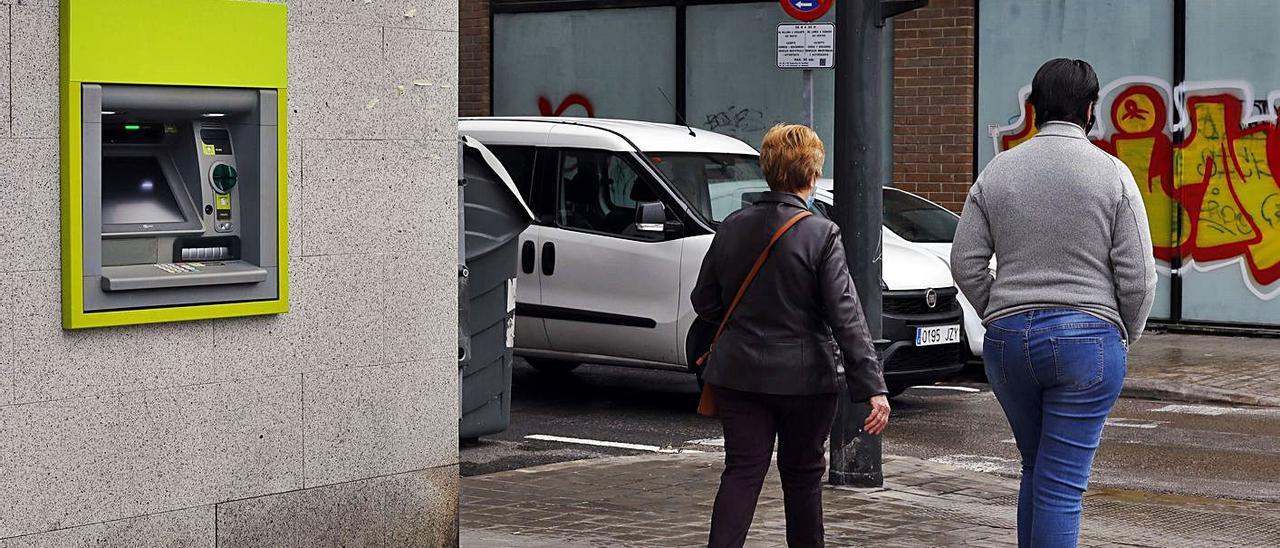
(931, 298)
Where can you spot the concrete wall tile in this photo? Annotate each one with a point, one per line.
(372, 421)
(422, 97)
(34, 66)
(191, 527)
(5, 77)
(434, 175)
(336, 81)
(415, 14)
(413, 509)
(334, 321)
(32, 3)
(103, 458)
(296, 212)
(372, 196)
(348, 192)
(7, 355)
(423, 508)
(30, 206)
(421, 295)
(58, 364)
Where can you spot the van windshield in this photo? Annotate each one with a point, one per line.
(713, 184)
(918, 220)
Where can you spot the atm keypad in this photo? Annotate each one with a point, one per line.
(180, 268)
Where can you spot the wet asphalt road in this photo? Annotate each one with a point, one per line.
(1205, 450)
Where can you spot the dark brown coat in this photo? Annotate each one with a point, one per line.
(800, 328)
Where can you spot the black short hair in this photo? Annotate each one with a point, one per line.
(1062, 91)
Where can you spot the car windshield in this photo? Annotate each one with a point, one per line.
(918, 220)
(714, 184)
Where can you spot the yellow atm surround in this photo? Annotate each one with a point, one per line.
(143, 53)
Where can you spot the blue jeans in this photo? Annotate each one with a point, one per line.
(1057, 373)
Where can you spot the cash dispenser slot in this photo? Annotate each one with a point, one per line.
(196, 261)
(192, 274)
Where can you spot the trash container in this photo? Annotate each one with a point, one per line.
(491, 220)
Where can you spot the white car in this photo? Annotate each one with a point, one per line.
(625, 211)
(929, 226)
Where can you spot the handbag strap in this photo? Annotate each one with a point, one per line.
(755, 269)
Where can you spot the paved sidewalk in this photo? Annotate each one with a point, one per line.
(665, 500)
(1237, 370)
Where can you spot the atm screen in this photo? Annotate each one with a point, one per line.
(136, 191)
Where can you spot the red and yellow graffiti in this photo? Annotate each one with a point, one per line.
(1215, 196)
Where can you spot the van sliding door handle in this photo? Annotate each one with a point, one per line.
(548, 259)
(526, 257)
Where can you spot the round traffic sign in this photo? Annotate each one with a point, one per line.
(806, 10)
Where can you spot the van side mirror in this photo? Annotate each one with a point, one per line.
(651, 217)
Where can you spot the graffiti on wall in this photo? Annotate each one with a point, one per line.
(573, 99)
(1213, 199)
(736, 120)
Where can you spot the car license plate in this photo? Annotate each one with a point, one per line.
(937, 334)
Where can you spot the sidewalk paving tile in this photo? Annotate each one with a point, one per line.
(665, 500)
(1243, 366)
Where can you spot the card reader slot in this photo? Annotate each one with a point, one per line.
(135, 277)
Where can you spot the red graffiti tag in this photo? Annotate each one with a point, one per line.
(1131, 110)
(544, 105)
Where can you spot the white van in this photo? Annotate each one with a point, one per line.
(624, 212)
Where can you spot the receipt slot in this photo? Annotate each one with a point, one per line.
(174, 170)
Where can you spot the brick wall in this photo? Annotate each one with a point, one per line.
(933, 101)
(473, 58)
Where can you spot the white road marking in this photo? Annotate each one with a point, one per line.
(976, 463)
(709, 442)
(1131, 423)
(1207, 410)
(945, 387)
(1211, 410)
(612, 444)
(1010, 440)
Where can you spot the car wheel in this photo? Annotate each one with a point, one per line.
(554, 367)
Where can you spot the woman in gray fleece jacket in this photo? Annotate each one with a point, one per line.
(1075, 282)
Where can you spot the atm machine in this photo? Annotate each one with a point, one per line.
(173, 161)
(179, 193)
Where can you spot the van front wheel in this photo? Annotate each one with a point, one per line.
(553, 367)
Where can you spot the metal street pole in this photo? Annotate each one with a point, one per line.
(863, 160)
(807, 77)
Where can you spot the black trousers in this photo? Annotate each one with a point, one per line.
(751, 421)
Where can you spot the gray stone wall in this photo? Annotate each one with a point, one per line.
(333, 424)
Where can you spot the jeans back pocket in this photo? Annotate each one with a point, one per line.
(1078, 361)
(993, 360)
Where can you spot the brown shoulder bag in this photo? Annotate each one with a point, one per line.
(707, 406)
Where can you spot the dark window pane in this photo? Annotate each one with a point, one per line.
(518, 161)
(918, 220)
(714, 184)
(599, 193)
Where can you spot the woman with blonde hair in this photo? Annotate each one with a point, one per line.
(792, 337)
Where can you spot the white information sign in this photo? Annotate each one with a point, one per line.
(807, 45)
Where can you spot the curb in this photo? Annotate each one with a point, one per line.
(1168, 391)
